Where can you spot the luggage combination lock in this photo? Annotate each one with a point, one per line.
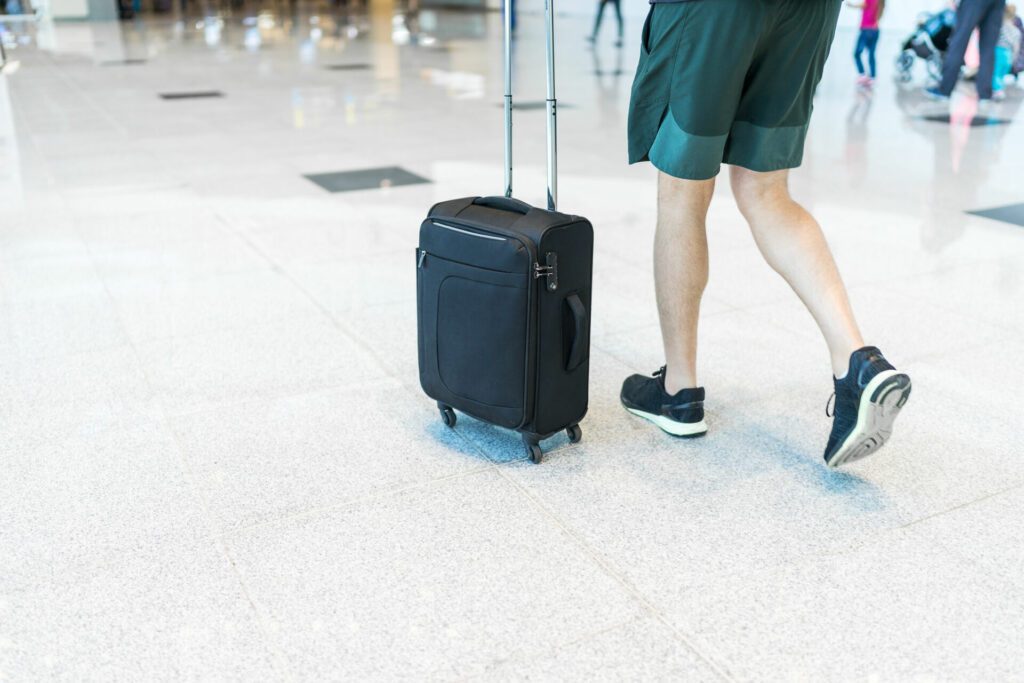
(550, 271)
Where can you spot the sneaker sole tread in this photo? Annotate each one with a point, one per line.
(880, 404)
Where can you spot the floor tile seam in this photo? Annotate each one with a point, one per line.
(879, 281)
(630, 263)
(108, 190)
(385, 493)
(867, 538)
(103, 248)
(854, 287)
(934, 356)
(309, 315)
(216, 329)
(989, 568)
(264, 620)
(881, 535)
(51, 181)
(811, 332)
(332, 318)
(941, 304)
(129, 341)
(80, 350)
(761, 313)
(109, 299)
(342, 312)
(966, 504)
(632, 364)
(85, 97)
(603, 342)
(839, 549)
(726, 309)
(944, 269)
(608, 569)
(293, 263)
(6, 259)
(277, 396)
(204, 503)
(169, 279)
(550, 649)
(204, 506)
(998, 325)
(264, 396)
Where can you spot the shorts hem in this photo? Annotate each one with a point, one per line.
(764, 149)
(684, 155)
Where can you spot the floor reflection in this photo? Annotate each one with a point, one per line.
(963, 157)
(10, 164)
(855, 153)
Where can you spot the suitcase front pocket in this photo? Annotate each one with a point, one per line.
(473, 328)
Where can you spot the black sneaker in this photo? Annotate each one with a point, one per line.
(679, 415)
(867, 401)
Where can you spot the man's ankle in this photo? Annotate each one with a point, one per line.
(676, 382)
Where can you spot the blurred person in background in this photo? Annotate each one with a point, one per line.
(987, 17)
(1006, 49)
(871, 13)
(600, 15)
(1018, 61)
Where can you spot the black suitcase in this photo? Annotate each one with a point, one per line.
(503, 302)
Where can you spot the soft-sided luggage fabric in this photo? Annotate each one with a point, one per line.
(473, 338)
(562, 390)
(494, 341)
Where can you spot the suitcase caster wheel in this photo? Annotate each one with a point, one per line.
(574, 433)
(536, 454)
(448, 416)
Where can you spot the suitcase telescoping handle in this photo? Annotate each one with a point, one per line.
(551, 101)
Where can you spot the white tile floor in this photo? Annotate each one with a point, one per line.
(216, 462)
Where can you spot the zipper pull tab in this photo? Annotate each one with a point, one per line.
(423, 257)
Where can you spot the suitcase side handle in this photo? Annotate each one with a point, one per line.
(579, 341)
(503, 203)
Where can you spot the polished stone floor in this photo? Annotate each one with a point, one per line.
(216, 462)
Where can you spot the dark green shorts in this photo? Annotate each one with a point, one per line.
(728, 81)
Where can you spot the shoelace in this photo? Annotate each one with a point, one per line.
(660, 372)
(831, 403)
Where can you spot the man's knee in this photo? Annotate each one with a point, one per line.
(752, 189)
(694, 194)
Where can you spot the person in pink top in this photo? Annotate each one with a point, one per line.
(868, 38)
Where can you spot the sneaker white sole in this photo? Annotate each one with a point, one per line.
(684, 429)
(880, 403)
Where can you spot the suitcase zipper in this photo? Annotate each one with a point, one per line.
(423, 257)
(467, 232)
(548, 270)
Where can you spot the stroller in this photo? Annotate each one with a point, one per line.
(928, 42)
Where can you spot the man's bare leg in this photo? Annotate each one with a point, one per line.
(681, 272)
(673, 401)
(792, 243)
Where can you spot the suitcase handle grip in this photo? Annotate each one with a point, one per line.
(504, 203)
(579, 341)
